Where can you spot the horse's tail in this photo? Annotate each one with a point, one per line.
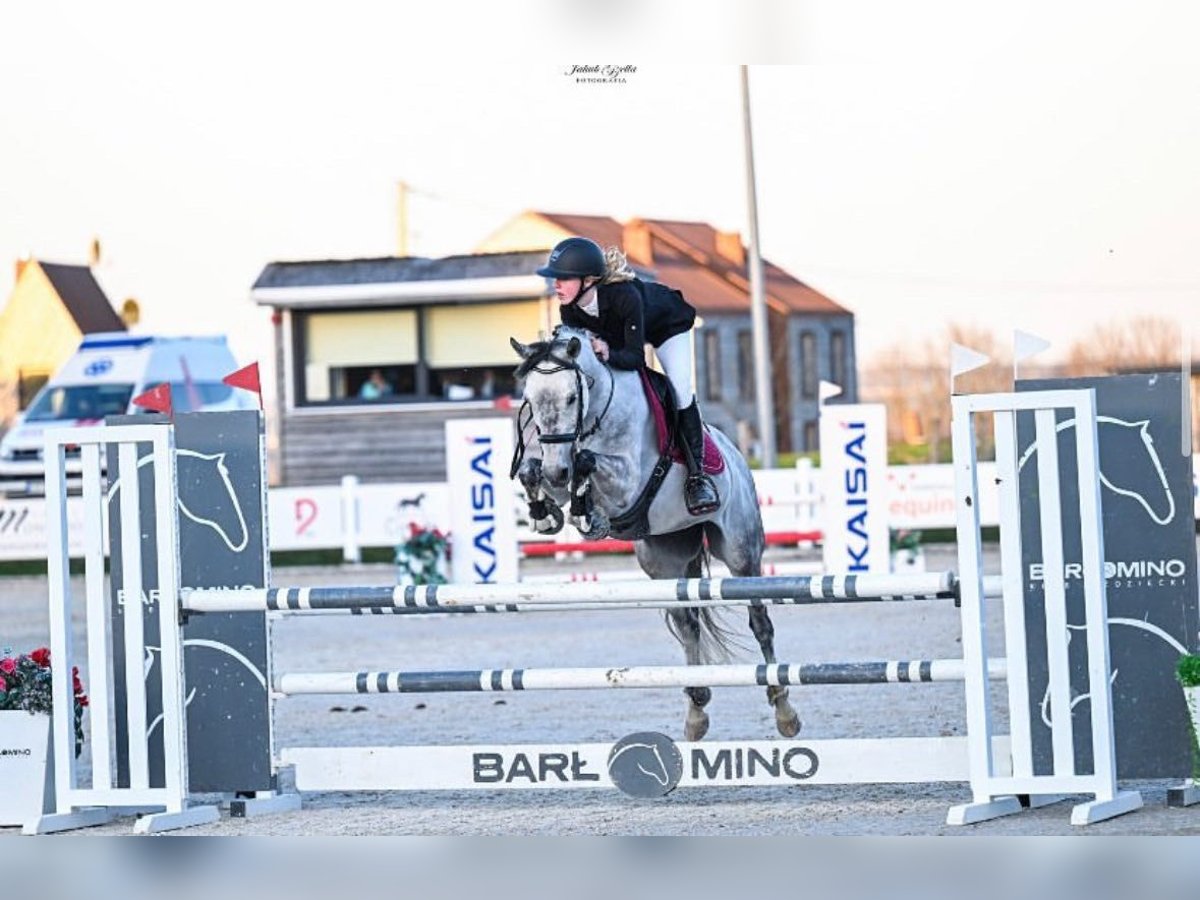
(715, 643)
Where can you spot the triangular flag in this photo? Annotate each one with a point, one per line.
(964, 359)
(157, 399)
(1026, 345)
(827, 389)
(246, 378)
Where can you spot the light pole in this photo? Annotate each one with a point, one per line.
(758, 299)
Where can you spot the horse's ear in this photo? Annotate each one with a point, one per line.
(521, 349)
(573, 347)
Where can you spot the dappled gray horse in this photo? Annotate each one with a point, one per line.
(597, 449)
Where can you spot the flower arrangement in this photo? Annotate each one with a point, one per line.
(1187, 671)
(419, 559)
(906, 540)
(25, 683)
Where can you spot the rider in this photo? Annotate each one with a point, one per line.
(598, 291)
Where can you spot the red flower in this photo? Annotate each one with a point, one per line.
(3, 685)
(8, 665)
(41, 656)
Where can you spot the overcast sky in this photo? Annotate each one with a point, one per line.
(918, 163)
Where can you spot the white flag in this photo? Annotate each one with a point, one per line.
(1026, 345)
(964, 359)
(827, 389)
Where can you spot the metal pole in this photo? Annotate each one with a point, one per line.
(402, 218)
(758, 301)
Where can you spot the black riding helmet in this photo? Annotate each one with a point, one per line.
(576, 257)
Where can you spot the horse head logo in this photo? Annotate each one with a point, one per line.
(1141, 477)
(216, 506)
(645, 764)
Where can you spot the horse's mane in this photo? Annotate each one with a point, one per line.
(541, 351)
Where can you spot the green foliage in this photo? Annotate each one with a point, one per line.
(1188, 670)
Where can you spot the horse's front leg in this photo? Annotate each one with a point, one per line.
(544, 514)
(592, 522)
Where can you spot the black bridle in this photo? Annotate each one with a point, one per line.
(546, 362)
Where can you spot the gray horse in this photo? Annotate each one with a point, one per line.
(597, 450)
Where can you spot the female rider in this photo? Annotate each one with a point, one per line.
(598, 291)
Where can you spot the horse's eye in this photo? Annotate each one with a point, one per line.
(571, 400)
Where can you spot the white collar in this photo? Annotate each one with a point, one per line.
(592, 307)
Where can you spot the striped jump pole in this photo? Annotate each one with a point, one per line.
(732, 591)
(886, 672)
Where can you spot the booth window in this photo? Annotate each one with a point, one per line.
(413, 354)
(342, 350)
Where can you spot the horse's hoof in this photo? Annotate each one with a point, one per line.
(548, 526)
(696, 725)
(594, 529)
(788, 724)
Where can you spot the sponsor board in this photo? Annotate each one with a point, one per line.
(644, 764)
(483, 526)
(854, 469)
(1147, 496)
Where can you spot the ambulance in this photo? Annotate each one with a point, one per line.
(101, 379)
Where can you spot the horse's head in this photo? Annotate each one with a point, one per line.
(556, 375)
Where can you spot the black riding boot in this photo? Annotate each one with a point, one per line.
(699, 492)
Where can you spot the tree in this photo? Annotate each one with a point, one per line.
(913, 380)
(1142, 342)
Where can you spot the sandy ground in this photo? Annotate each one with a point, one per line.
(869, 631)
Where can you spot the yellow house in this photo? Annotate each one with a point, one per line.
(49, 310)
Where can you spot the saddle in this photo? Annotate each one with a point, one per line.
(661, 400)
(634, 523)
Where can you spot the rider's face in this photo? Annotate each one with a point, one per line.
(566, 289)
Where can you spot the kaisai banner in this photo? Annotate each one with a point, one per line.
(854, 472)
(483, 520)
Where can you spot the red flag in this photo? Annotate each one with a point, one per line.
(246, 378)
(157, 399)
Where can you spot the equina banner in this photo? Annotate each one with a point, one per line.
(483, 520)
(854, 470)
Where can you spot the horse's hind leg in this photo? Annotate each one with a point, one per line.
(786, 719)
(687, 628)
(666, 556)
(744, 558)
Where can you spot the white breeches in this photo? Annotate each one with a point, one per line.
(675, 355)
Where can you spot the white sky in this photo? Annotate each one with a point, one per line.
(1021, 167)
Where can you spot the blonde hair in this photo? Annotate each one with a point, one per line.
(616, 267)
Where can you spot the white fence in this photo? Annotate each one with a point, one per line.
(353, 515)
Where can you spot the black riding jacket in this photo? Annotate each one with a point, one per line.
(630, 314)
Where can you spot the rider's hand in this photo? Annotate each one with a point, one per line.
(600, 348)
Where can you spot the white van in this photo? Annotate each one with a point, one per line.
(101, 379)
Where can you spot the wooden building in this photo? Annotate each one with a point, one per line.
(374, 355)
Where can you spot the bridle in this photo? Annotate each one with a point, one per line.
(546, 362)
(551, 364)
